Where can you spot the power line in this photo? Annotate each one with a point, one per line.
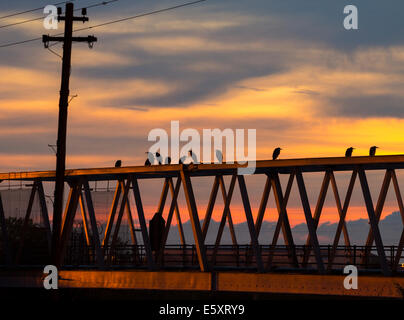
(30, 10)
(41, 18)
(109, 22)
(141, 15)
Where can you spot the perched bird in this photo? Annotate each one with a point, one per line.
(219, 156)
(118, 163)
(349, 151)
(276, 153)
(149, 160)
(193, 156)
(372, 151)
(182, 159)
(159, 158)
(168, 160)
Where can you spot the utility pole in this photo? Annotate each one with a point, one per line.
(67, 40)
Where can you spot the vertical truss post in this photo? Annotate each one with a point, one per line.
(5, 238)
(193, 214)
(93, 223)
(250, 222)
(309, 221)
(373, 221)
(142, 222)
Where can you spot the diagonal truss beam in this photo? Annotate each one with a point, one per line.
(112, 213)
(142, 222)
(250, 222)
(378, 212)
(93, 223)
(283, 220)
(26, 221)
(193, 214)
(123, 206)
(309, 221)
(173, 207)
(226, 209)
(373, 221)
(68, 219)
(177, 212)
(342, 211)
(44, 213)
(209, 209)
(317, 213)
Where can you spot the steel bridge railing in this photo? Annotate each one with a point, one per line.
(240, 257)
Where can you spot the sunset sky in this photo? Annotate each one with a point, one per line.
(288, 69)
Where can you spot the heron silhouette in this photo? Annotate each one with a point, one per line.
(372, 151)
(219, 156)
(193, 156)
(348, 152)
(150, 159)
(182, 159)
(276, 153)
(118, 163)
(159, 158)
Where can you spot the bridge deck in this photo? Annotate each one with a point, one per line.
(281, 166)
(302, 284)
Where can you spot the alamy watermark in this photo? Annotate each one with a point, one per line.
(50, 22)
(351, 280)
(351, 20)
(211, 139)
(51, 280)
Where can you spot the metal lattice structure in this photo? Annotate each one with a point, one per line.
(256, 256)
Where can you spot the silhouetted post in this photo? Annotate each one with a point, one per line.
(62, 121)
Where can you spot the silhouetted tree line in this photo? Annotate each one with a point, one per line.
(35, 246)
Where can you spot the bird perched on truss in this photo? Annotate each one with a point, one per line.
(168, 160)
(150, 159)
(182, 159)
(372, 151)
(193, 156)
(348, 152)
(159, 158)
(276, 153)
(118, 163)
(219, 156)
